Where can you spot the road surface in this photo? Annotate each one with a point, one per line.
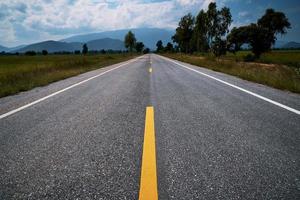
(215, 136)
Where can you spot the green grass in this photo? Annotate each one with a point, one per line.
(21, 73)
(275, 75)
(282, 57)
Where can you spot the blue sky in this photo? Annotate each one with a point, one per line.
(24, 22)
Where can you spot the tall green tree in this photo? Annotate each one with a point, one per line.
(45, 52)
(145, 51)
(218, 47)
(236, 38)
(212, 21)
(274, 22)
(218, 26)
(169, 47)
(209, 28)
(85, 49)
(262, 35)
(199, 38)
(139, 46)
(184, 33)
(130, 41)
(159, 46)
(223, 22)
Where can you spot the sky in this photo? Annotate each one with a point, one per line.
(29, 21)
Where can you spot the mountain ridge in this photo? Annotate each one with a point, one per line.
(3, 48)
(97, 41)
(291, 45)
(149, 36)
(58, 46)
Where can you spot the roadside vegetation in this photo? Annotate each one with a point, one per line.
(23, 72)
(205, 40)
(133, 45)
(274, 75)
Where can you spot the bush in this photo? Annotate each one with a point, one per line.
(30, 53)
(147, 50)
(249, 58)
(219, 47)
(45, 52)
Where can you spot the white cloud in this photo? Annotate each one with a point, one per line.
(7, 32)
(243, 14)
(58, 18)
(187, 2)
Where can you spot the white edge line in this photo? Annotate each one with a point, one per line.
(60, 91)
(237, 87)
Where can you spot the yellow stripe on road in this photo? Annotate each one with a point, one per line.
(150, 69)
(148, 186)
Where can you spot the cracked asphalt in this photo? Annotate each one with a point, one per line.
(212, 141)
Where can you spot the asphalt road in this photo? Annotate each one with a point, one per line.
(213, 141)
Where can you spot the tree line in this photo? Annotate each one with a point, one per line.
(133, 45)
(209, 32)
(84, 51)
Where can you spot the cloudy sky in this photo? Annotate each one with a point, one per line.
(28, 21)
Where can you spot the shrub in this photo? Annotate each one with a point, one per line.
(249, 58)
(30, 53)
(45, 52)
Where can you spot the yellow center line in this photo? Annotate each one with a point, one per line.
(150, 69)
(148, 185)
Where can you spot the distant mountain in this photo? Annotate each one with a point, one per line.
(97, 41)
(149, 36)
(3, 48)
(279, 44)
(291, 45)
(14, 49)
(10, 49)
(106, 43)
(58, 46)
(51, 46)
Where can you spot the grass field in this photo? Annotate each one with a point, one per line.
(276, 69)
(282, 57)
(21, 73)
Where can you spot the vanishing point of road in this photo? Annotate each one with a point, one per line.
(150, 128)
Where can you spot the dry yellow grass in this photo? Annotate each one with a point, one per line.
(21, 73)
(274, 75)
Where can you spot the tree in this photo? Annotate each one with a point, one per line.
(184, 33)
(219, 47)
(30, 53)
(130, 41)
(218, 22)
(212, 21)
(223, 22)
(199, 38)
(147, 50)
(274, 22)
(139, 46)
(85, 49)
(159, 46)
(262, 35)
(236, 38)
(208, 29)
(77, 52)
(45, 52)
(169, 47)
